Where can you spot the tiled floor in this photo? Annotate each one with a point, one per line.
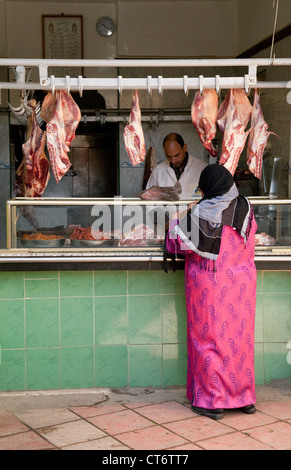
(145, 424)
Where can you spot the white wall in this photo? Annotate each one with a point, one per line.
(174, 29)
(2, 29)
(184, 28)
(256, 21)
(198, 28)
(24, 32)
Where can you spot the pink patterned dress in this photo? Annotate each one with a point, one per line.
(221, 309)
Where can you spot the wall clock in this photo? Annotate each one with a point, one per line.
(105, 26)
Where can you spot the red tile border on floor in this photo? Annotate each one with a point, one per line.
(24, 441)
(9, 424)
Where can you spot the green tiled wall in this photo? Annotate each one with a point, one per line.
(82, 329)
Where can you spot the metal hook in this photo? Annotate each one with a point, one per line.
(149, 83)
(20, 74)
(247, 84)
(80, 79)
(68, 84)
(217, 84)
(53, 84)
(20, 78)
(160, 84)
(288, 97)
(185, 84)
(120, 84)
(151, 121)
(43, 76)
(102, 119)
(201, 83)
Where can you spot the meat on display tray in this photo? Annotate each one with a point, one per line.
(91, 243)
(48, 243)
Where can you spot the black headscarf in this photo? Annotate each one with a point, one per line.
(201, 229)
(215, 180)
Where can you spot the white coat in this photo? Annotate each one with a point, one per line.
(163, 175)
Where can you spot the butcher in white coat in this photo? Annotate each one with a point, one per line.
(178, 166)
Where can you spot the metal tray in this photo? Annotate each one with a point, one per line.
(91, 243)
(53, 243)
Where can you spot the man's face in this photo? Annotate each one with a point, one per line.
(175, 154)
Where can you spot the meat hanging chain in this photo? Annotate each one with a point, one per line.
(133, 134)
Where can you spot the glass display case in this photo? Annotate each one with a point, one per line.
(273, 217)
(91, 224)
(118, 224)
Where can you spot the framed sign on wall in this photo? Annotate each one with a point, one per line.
(62, 38)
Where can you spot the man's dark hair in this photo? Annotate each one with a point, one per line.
(173, 136)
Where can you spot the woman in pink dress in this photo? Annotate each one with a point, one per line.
(217, 237)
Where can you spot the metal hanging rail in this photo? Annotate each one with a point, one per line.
(149, 83)
(145, 62)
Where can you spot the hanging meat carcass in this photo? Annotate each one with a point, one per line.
(204, 111)
(32, 174)
(133, 134)
(62, 115)
(257, 139)
(233, 117)
(241, 103)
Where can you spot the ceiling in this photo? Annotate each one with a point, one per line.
(109, 1)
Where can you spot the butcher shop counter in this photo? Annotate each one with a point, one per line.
(102, 312)
(121, 233)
